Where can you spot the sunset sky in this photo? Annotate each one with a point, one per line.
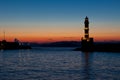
(59, 20)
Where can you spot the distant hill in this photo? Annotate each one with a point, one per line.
(57, 44)
(68, 44)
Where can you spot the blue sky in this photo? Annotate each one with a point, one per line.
(60, 9)
(53, 14)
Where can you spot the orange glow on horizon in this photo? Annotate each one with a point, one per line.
(42, 39)
(54, 35)
(58, 38)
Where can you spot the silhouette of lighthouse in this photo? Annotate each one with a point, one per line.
(86, 28)
(86, 41)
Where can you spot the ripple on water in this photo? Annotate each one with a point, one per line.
(56, 64)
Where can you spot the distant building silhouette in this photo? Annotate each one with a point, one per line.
(87, 42)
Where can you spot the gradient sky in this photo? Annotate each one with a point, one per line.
(59, 20)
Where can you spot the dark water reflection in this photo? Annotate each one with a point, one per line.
(58, 64)
(86, 68)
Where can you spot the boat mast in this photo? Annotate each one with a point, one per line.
(4, 35)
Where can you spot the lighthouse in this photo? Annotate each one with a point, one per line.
(86, 41)
(86, 29)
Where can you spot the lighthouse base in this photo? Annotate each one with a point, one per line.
(87, 44)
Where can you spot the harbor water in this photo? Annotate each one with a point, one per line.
(52, 63)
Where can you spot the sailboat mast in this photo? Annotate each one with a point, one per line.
(4, 35)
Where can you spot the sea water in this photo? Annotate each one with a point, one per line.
(45, 63)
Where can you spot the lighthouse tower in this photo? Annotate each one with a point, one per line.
(86, 41)
(86, 30)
